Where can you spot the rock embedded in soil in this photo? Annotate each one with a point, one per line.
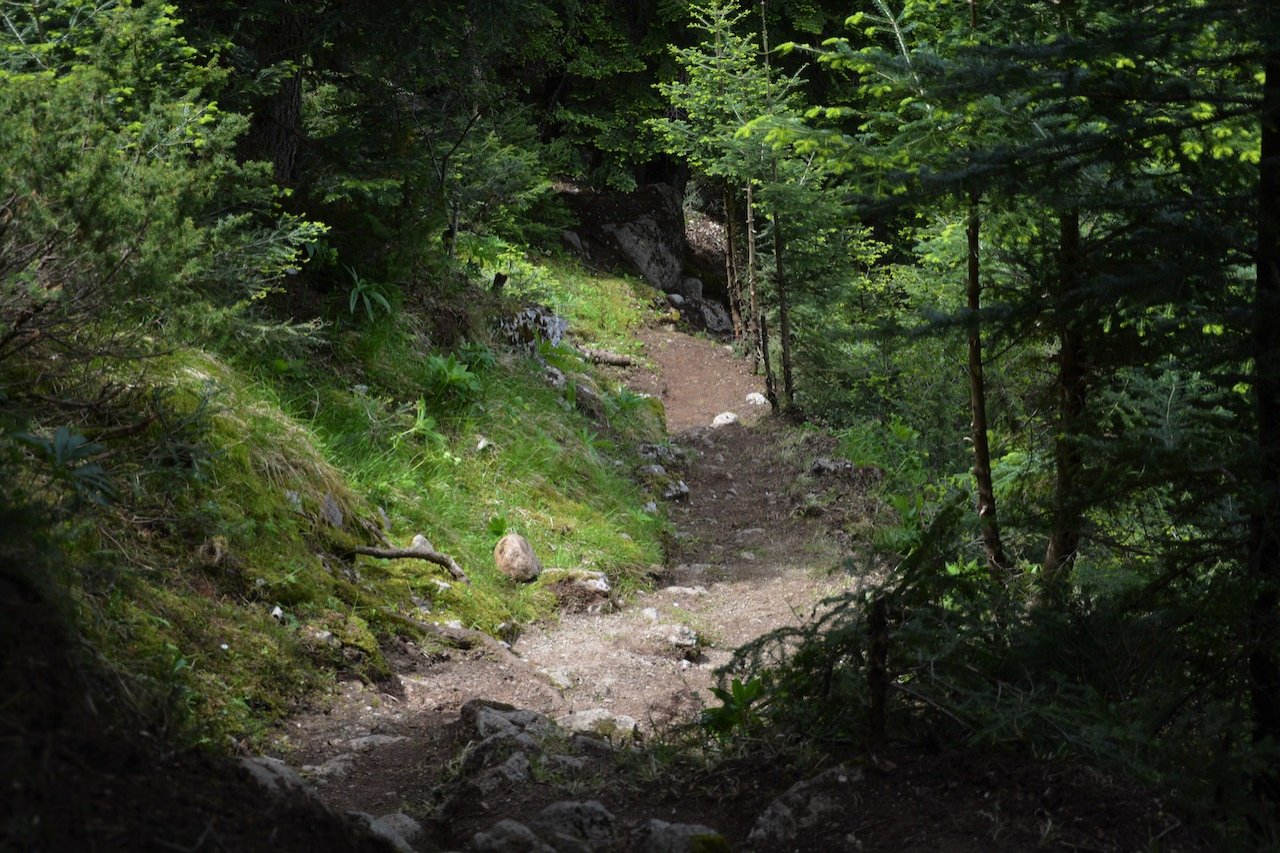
(600, 722)
(658, 836)
(274, 775)
(514, 557)
(724, 419)
(509, 836)
(804, 808)
(572, 825)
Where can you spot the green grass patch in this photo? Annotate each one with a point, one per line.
(221, 583)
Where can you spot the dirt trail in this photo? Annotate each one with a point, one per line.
(756, 541)
(747, 559)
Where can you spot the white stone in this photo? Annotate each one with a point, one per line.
(599, 721)
(755, 398)
(724, 419)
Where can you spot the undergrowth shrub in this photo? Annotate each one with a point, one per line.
(1136, 682)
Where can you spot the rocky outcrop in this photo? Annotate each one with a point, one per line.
(653, 242)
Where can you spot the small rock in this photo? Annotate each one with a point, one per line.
(755, 398)
(805, 806)
(658, 453)
(650, 507)
(421, 543)
(514, 771)
(714, 316)
(276, 613)
(561, 679)
(658, 836)
(385, 831)
(680, 636)
(675, 300)
(515, 558)
(650, 613)
(693, 591)
(483, 444)
(403, 825)
(334, 768)
(571, 241)
(508, 836)
(600, 722)
(826, 466)
(724, 419)
(485, 718)
(588, 400)
(564, 763)
(368, 742)
(653, 472)
(496, 749)
(589, 824)
(273, 774)
(331, 512)
(554, 377)
(676, 491)
(442, 586)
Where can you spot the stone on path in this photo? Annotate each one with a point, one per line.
(599, 721)
(724, 419)
(515, 558)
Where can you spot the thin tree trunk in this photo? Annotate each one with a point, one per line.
(1064, 535)
(1264, 539)
(733, 283)
(996, 560)
(759, 353)
(770, 383)
(877, 677)
(275, 127)
(784, 315)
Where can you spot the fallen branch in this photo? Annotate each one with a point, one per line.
(420, 550)
(600, 356)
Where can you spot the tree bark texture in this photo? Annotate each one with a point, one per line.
(784, 314)
(997, 563)
(1072, 390)
(877, 676)
(1264, 544)
(760, 350)
(275, 127)
(733, 283)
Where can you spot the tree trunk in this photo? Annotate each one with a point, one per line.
(784, 315)
(997, 563)
(1064, 535)
(275, 127)
(733, 283)
(1264, 539)
(877, 677)
(770, 383)
(759, 353)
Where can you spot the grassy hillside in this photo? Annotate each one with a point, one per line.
(213, 546)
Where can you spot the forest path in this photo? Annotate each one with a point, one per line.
(751, 554)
